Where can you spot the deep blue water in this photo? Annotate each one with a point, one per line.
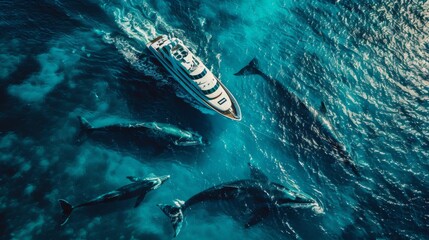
(368, 61)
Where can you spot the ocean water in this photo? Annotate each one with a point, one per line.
(368, 61)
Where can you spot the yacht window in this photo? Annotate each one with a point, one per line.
(201, 75)
(212, 90)
(222, 101)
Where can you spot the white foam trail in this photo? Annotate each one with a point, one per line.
(314, 206)
(134, 56)
(131, 25)
(318, 209)
(139, 20)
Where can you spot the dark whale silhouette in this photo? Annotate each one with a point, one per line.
(307, 113)
(161, 131)
(257, 194)
(138, 188)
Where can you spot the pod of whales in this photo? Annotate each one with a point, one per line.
(257, 194)
(324, 125)
(137, 188)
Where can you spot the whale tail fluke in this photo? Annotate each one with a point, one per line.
(85, 127)
(84, 124)
(249, 69)
(67, 210)
(175, 214)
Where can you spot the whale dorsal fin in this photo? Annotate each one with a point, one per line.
(322, 108)
(140, 199)
(249, 69)
(257, 174)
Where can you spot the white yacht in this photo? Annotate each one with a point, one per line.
(194, 76)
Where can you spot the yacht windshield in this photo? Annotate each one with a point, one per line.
(211, 90)
(179, 52)
(198, 76)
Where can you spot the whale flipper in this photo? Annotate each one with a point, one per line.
(257, 174)
(67, 210)
(175, 214)
(140, 199)
(259, 215)
(249, 69)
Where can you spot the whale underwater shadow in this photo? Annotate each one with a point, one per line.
(306, 128)
(144, 140)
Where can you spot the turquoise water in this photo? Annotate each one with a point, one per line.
(366, 60)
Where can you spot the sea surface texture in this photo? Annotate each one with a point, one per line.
(366, 61)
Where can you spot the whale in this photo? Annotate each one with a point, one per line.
(152, 131)
(258, 195)
(138, 188)
(306, 112)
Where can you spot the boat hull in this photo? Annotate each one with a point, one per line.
(234, 113)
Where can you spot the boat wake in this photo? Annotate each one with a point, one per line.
(140, 23)
(134, 56)
(139, 20)
(143, 63)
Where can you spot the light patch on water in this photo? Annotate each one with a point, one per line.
(9, 63)
(30, 229)
(59, 63)
(120, 167)
(10, 58)
(55, 65)
(79, 166)
(29, 189)
(8, 140)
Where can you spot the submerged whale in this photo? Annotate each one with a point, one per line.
(150, 130)
(324, 126)
(138, 188)
(257, 194)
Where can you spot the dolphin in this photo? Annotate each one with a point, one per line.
(257, 194)
(309, 112)
(138, 188)
(160, 131)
